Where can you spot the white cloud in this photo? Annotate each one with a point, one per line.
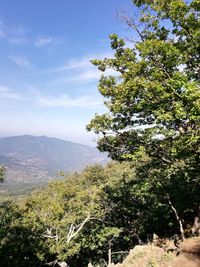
(17, 35)
(8, 93)
(79, 63)
(21, 61)
(73, 64)
(86, 76)
(92, 75)
(13, 34)
(42, 41)
(81, 70)
(66, 101)
(18, 40)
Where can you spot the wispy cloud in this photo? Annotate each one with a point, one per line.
(73, 64)
(18, 35)
(79, 63)
(92, 75)
(18, 40)
(50, 101)
(43, 41)
(85, 76)
(81, 70)
(66, 101)
(8, 93)
(21, 61)
(12, 33)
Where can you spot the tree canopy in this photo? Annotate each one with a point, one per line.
(154, 101)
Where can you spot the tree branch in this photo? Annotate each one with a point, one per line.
(177, 218)
(72, 233)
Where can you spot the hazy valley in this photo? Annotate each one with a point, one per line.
(31, 160)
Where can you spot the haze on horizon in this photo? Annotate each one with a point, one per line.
(48, 85)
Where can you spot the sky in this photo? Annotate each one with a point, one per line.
(47, 84)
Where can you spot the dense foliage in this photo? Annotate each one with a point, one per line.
(154, 101)
(79, 218)
(158, 86)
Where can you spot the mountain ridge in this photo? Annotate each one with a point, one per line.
(38, 158)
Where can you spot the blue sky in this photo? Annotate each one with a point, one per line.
(47, 84)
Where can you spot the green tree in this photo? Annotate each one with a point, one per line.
(59, 213)
(154, 101)
(2, 173)
(19, 243)
(80, 218)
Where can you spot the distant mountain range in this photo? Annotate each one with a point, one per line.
(31, 159)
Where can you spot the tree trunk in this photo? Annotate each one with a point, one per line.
(177, 218)
(109, 257)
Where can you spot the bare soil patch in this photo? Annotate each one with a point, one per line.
(153, 256)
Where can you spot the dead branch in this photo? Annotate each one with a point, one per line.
(72, 232)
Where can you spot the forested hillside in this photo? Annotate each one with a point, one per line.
(151, 130)
(78, 219)
(36, 159)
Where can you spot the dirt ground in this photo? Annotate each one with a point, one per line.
(153, 256)
(190, 256)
